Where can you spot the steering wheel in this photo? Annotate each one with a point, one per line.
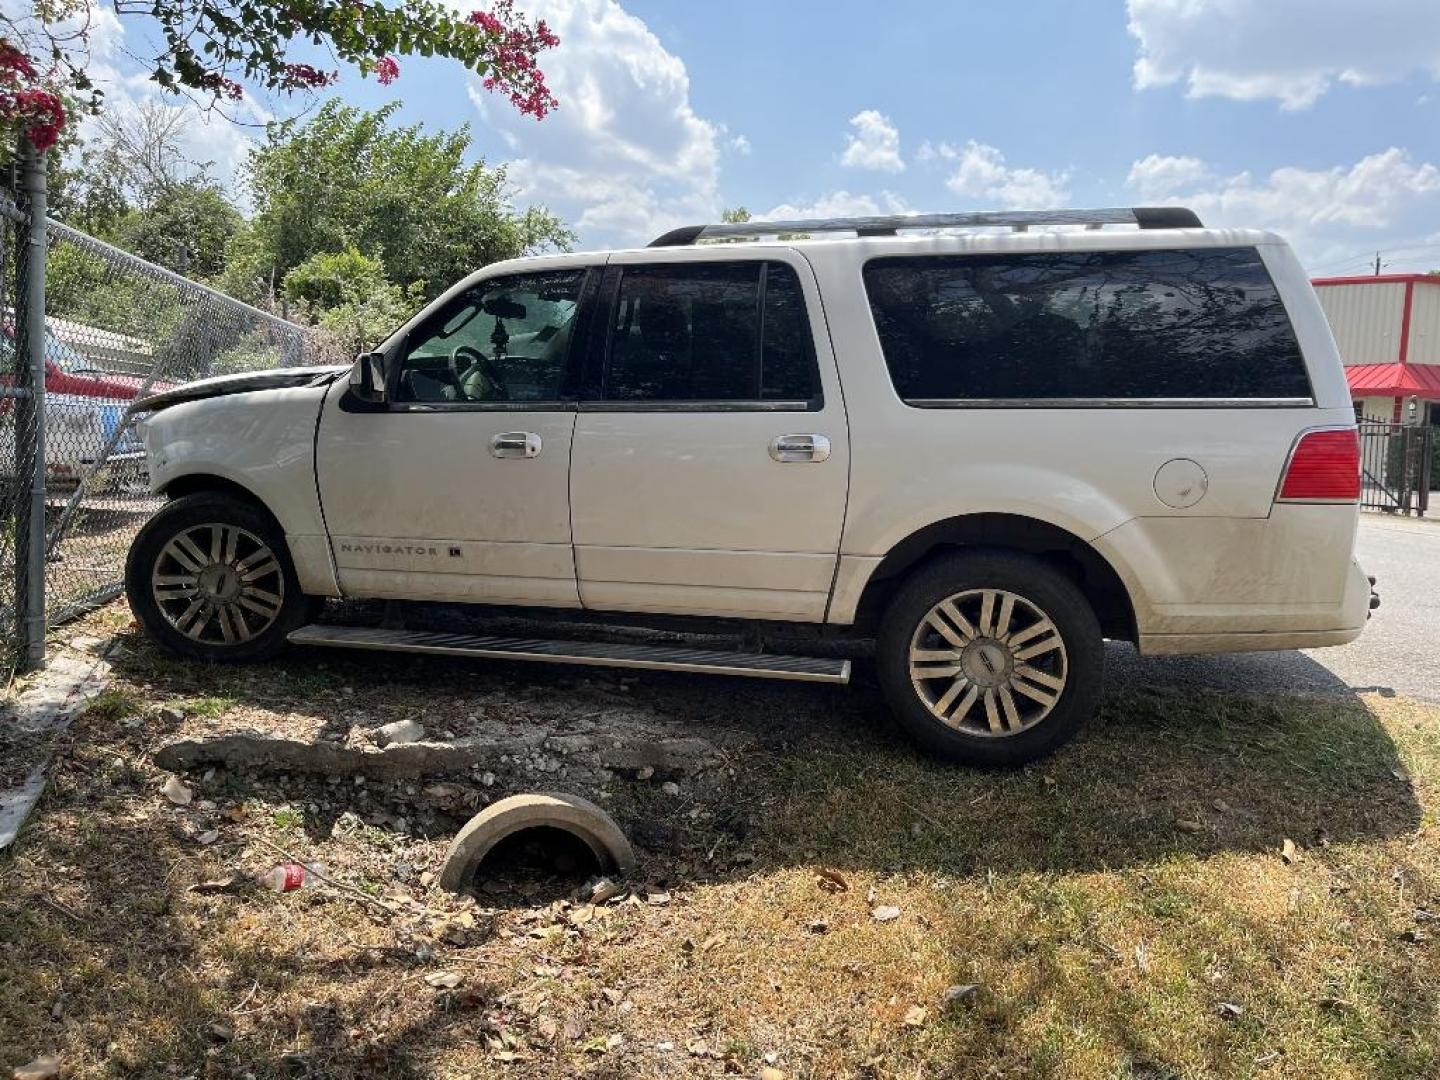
(467, 362)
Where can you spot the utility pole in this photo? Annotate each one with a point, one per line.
(1377, 264)
(30, 409)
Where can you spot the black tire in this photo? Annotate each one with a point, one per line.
(214, 508)
(1031, 580)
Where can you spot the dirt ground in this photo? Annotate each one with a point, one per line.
(1203, 884)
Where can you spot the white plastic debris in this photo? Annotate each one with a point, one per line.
(177, 792)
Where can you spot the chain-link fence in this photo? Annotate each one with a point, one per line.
(12, 389)
(115, 328)
(22, 418)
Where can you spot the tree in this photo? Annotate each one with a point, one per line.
(133, 185)
(139, 151)
(347, 179)
(739, 216)
(187, 228)
(347, 294)
(207, 46)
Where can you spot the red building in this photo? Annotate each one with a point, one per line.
(1388, 329)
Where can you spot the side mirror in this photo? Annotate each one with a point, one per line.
(367, 377)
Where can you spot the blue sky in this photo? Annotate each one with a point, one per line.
(1316, 118)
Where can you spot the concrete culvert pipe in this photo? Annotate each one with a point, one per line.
(579, 817)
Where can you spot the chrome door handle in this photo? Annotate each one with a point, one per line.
(517, 444)
(800, 448)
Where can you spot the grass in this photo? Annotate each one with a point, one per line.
(209, 707)
(287, 818)
(1124, 909)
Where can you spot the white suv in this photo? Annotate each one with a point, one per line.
(987, 450)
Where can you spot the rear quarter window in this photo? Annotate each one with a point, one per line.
(1084, 326)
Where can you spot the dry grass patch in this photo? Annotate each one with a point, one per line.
(1124, 909)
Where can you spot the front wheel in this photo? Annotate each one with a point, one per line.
(990, 658)
(209, 577)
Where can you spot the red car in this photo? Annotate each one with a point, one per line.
(84, 408)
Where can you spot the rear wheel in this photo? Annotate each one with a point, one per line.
(990, 658)
(210, 577)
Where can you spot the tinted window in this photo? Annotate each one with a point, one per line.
(506, 339)
(1202, 323)
(710, 332)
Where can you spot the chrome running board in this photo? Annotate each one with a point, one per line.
(599, 654)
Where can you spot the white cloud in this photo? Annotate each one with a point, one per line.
(626, 156)
(101, 50)
(841, 203)
(875, 143)
(221, 137)
(1292, 51)
(740, 144)
(930, 151)
(983, 174)
(1387, 196)
(1158, 175)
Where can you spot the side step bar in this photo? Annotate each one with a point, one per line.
(598, 654)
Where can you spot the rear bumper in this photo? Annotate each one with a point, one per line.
(1347, 621)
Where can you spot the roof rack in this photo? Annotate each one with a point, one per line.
(1146, 217)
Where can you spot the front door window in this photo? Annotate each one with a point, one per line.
(503, 340)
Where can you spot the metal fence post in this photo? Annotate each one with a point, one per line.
(30, 410)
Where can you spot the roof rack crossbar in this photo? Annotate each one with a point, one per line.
(1146, 217)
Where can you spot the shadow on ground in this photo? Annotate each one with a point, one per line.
(1166, 766)
(96, 923)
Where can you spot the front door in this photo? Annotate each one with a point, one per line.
(711, 454)
(458, 487)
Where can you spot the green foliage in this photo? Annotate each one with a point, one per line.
(205, 46)
(86, 287)
(348, 179)
(256, 350)
(738, 216)
(347, 294)
(187, 228)
(330, 279)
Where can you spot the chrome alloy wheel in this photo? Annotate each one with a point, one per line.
(988, 662)
(218, 584)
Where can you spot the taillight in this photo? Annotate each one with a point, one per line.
(1324, 467)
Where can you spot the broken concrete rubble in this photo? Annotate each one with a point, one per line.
(401, 731)
(592, 761)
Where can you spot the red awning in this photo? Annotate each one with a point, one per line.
(1394, 380)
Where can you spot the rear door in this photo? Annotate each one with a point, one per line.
(711, 456)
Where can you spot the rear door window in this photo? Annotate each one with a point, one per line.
(733, 332)
(1084, 326)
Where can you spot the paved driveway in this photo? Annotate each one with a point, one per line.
(1399, 651)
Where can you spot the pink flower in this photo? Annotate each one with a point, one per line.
(386, 70)
(512, 67)
(487, 22)
(39, 112)
(14, 65)
(221, 86)
(36, 111)
(304, 76)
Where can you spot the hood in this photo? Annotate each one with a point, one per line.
(221, 385)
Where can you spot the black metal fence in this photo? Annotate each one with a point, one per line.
(87, 329)
(1396, 464)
